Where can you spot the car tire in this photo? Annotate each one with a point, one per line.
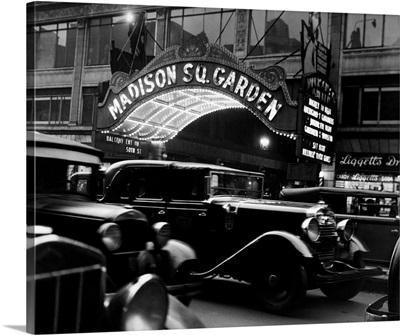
(280, 285)
(394, 280)
(346, 290)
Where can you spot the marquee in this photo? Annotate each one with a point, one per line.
(186, 82)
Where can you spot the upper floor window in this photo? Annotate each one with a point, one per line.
(370, 30)
(274, 32)
(370, 106)
(51, 46)
(211, 25)
(105, 31)
(48, 106)
(89, 105)
(102, 32)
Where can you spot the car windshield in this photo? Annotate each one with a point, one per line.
(57, 176)
(233, 184)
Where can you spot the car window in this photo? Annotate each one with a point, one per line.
(231, 184)
(146, 183)
(187, 185)
(57, 176)
(382, 207)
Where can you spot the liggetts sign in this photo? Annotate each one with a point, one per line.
(317, 119)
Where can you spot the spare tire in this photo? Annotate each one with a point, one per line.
(394, 280)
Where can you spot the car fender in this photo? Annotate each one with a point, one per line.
(357, 245)
(294, 240)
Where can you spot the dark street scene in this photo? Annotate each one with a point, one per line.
(204, 168)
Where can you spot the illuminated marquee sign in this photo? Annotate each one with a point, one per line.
(317, 120)
(207, 75)
(193, 70)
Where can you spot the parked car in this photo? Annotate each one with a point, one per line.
(375, 212)
(281, 248)
(70, 208)
(66, 293)
(387, 307)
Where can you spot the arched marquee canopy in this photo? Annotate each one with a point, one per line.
(187, 82)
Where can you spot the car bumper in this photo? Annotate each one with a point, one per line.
(341, 272)
(185, 291)
(378, 311)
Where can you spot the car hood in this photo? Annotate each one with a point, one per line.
(75, 205)
(265, 204)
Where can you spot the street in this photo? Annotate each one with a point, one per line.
(228, 303)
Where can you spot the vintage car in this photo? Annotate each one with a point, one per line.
(71, 209)
(282, 248)
(375, 212)
(66, 292)
(387, 308)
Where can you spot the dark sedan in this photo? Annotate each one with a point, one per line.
(281, 248)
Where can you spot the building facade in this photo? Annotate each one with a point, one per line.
(68, 61)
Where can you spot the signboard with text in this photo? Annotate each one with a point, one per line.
(317, 119)
(116, 146)
(362, 162)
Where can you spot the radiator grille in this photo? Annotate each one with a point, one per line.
(67, 301)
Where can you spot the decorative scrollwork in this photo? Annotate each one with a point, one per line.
(119, 80)
(274, 75)
(195, 47)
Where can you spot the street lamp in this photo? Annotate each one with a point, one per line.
(264, 143)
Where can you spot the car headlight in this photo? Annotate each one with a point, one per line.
(346, 229)
(163, 233)
(110, 235)
(310, 227)
(142, 305)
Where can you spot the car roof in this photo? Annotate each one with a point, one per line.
(178, 165)
(48, 146)
(312, 193)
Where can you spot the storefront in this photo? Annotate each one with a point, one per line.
(368, 171)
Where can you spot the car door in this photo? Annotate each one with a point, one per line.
(378, 228)
(141, 188)
(186, 208)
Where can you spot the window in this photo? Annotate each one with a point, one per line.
(187, 185)
(370, 106)
(151, 40)
(281, 30)
(211, 25)
(369, 30)
(107, 30)
(89, 104)
(48, 106)
(53, 45)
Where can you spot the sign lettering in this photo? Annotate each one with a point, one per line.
(317, 120)
(208, 75)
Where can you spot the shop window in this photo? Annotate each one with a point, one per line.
(53, 46)
(105, 31)
(370, 106)
(275, 32)
(369, 30)
(49, 106)
(211, 25)
(89, 105)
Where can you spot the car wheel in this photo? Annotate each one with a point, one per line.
(394, 280)
(280, 285)
(349, 289)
